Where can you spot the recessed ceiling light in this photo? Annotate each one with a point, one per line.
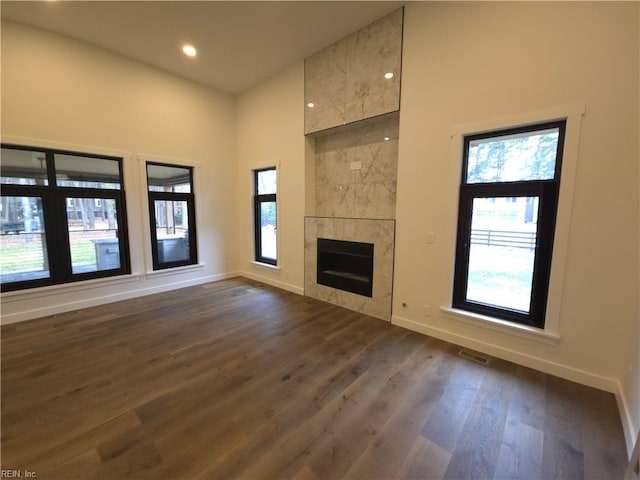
(386, 139)
(388, 75)
(311, 104)
(189, 50)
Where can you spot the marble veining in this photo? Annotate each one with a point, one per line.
(326, 118)
(374, 35)
(371, 105)
(366, 73)
(381, 233)
(346, 81)
(356, 171)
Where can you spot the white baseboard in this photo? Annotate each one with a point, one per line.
(94, 295)
(93, 301)
(630, 430)
(274, 283)
(563, 371)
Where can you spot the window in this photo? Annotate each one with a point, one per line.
(62, 217)
(265, 217)
(172, 214)
(506, 222)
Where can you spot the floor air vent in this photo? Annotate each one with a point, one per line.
(473, 356)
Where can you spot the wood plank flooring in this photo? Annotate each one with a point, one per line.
(237, 380)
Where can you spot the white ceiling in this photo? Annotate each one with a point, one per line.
(240, 43)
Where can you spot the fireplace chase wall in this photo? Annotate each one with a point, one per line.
(353, 198)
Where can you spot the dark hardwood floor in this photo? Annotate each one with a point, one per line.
(239, 380)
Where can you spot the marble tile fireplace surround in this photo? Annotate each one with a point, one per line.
(380, 233)
(352, 103)
(355, 200)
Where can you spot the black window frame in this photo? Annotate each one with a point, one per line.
(548, 192)
(54, 206)
(258, 200)
(189, 198)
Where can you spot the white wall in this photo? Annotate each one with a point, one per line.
(477, 62)
(58, 92)
(462, 63)
(270, 126)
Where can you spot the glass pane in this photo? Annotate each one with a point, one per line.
(87, 172)
(502, 251)
(164, 178)
(93, 234)
(511, 158)
(266, 181)
(23, 247)
(268, 230)
(23, 167)
(172, 231)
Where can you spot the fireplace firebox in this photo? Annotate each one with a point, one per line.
(346, 265)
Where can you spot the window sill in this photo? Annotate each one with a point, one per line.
(266, 265)
(70, 287)
(502, 326)
(175, 270)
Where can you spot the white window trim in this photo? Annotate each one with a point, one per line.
(573, 115)
(502, 326)
(267, 265)
(65, 288)
(173, 271)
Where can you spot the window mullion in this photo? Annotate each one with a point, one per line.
(59, 240)
(153, 232)
(51, 167)
(544, 249)
(256, 225)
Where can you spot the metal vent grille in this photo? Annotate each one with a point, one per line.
(473, 356)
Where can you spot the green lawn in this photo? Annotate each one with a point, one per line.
(500, 276)
(24, 257)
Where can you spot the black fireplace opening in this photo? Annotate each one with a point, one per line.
(346, 266)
